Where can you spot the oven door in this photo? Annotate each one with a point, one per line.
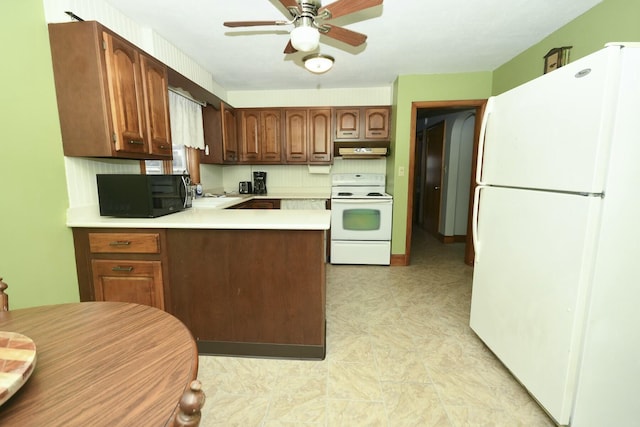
(361, 219)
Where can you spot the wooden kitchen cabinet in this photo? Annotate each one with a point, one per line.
(121, 265)
(347, 123)
(156, 98)
(251, 292)
(362, 123)
(229, 134)
(376, 123)
(259, 136)
(236, 290)
(296, 138)
(307, 135)
(212, 130)
(124, 280)
(221, 146)
(112, 97)
(320, 146)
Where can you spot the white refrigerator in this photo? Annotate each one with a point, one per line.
(556, 227)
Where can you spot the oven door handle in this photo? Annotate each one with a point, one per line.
(361, 201)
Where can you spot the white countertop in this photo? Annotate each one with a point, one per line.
(210, 218)
(288, 194)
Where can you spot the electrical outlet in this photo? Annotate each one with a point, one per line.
(401, 171)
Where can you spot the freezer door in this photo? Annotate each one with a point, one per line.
(532, 273)
(553, 132)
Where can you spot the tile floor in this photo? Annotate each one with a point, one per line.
(399, 353)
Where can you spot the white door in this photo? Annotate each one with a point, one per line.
(552, 132)
(532, 265)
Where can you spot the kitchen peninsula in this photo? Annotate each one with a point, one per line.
(244, 281)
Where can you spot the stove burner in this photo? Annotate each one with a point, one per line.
(374, 194)
(345, 194)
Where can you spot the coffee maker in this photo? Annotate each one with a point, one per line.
(260, 183)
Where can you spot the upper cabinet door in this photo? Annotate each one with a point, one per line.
(249, 135)
(376, 123)
(229, 138)
(212, 127)
(156, 86)
(126, 95)
(348, 123)
(295, 135)
(271, 140)
(320, 144)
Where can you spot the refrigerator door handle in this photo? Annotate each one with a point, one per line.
(474, 222)
(483, 130)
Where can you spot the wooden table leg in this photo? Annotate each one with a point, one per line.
(4, 298)
(190, 406)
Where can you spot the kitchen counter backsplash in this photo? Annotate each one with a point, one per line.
(292, 181)
(292, 178)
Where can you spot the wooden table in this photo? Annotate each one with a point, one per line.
(101, 364)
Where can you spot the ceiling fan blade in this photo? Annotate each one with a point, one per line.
(234, 24)
(345, 7)
(290, 4)
(289, 48)
(342, 34)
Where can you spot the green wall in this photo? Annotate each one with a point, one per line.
(420, 88)
(609, 21)
(36, 248)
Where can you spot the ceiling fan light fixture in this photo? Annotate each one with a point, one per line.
(318, 63)
(305, 39)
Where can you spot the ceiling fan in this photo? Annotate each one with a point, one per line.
(308, 18)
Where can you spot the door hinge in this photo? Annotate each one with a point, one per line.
(114, 137)
(104, 44)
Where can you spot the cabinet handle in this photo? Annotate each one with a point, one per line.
(118, 268)
(347, 133)
(376, 133)
(120, 243)
(134, 142)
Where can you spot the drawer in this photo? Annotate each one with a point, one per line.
(132, 243)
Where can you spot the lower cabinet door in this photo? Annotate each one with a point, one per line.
(128, 281)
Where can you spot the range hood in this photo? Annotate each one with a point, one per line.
(361, 149)
(362, 152)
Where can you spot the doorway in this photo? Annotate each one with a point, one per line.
(418, 166)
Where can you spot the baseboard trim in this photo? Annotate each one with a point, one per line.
(399, 260)
(278, 351)
(268, 350)
(452, 239)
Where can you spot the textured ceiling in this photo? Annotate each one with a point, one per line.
(404, 37)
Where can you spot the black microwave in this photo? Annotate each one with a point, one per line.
(142, 196)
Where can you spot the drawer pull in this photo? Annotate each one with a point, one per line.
(126, 269)
(134, 142)
(120, 243)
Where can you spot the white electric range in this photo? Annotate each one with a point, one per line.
(361, 213)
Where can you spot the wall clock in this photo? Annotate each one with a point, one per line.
(556, 58)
